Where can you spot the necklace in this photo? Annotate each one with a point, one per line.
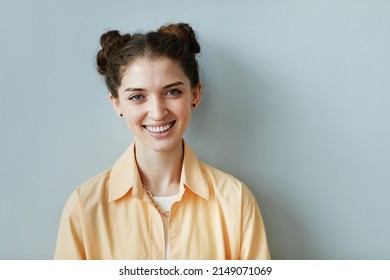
(155, 204)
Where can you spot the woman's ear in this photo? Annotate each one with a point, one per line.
(116, 105)
(197, 95)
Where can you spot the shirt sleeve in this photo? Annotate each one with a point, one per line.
(254, 244)
(70, 243)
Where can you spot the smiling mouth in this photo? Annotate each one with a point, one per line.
(159, 129)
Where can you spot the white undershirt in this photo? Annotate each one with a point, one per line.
(166, 202)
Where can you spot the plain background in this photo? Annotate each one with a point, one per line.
(296, 105)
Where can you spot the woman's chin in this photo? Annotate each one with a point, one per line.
(162, 145)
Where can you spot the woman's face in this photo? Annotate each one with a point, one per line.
(156, 100)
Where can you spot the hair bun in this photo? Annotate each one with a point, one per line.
(110, 42)
(184, 32)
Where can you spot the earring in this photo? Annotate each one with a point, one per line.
(193, 105)
(121, 115)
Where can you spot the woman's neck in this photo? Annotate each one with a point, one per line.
(160, 171)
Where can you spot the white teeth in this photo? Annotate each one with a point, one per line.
(159, 129)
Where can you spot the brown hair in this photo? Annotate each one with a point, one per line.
(175, 41)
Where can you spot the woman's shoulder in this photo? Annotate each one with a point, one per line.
(223, 181)
(216, 173)
(94, 188)
(226, 188)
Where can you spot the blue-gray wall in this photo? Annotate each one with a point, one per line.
(296, 104)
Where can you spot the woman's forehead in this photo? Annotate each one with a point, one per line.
(150, 73)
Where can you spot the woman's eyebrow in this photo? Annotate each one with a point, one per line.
(134, 89)
(178, 83)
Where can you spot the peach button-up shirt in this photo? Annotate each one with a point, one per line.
(111, 217)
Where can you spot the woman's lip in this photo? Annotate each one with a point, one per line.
(159, 129)
(158, 125)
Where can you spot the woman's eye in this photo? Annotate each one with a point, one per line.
(137, 97)
(173, 92)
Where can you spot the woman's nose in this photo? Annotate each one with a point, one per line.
(157, 109)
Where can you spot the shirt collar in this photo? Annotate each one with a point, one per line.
(124, 176)
(192, 175)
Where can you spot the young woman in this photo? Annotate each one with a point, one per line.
(158, 201)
